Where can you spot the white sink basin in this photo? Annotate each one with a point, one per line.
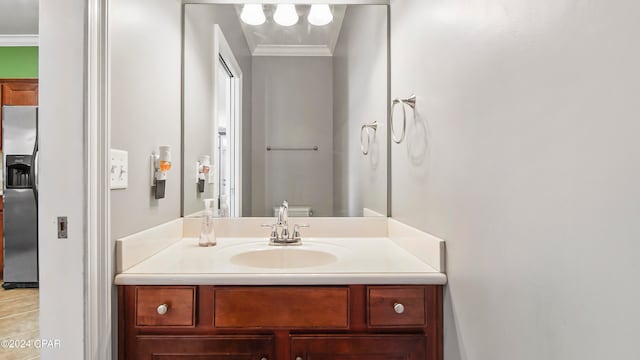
(283, 257)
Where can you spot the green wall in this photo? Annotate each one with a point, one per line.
(18, 62)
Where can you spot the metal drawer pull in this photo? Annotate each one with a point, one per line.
(298, 357)
(264, 358)
(162, 309)
(398, 308)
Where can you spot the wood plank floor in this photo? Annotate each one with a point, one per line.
(19, 313)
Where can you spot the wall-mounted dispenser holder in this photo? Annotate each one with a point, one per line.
(203, 167)
(160, 164)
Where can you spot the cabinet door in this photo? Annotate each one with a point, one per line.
(358, 347)
(159, 347)
(17, 92)
(20, 93)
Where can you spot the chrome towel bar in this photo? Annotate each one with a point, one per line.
(301, 148)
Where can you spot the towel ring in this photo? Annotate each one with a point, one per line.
(365, 129)
(411, 101)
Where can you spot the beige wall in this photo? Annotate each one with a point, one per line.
(525, 159)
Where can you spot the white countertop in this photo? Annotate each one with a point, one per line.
(373, 250)
(367, 260)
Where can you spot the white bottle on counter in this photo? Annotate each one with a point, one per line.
(207, 233)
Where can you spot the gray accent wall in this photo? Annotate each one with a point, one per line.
(525, 158)
(292, 106)
(199, 130)
(145, 37)
(360, 96)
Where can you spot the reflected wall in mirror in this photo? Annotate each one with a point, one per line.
(279, 111)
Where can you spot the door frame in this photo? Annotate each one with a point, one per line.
(221, 49)
(99, 253)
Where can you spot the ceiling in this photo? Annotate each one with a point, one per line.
(301, 39)
(18, 17)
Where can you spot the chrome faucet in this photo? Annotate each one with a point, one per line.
(283, 220)
(280, 230)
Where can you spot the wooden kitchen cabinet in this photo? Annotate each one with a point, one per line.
(19, 92)
(349, 322)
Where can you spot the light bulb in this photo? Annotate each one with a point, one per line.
(286, 15)
(320, 15)
(252, 14)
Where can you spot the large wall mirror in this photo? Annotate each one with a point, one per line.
(285, 103)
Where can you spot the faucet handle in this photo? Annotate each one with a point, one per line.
(274, 231)
(296, 230)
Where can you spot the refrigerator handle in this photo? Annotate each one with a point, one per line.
(34, 173)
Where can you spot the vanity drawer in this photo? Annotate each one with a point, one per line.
(282, 307)
(390, 306)
(172, 306)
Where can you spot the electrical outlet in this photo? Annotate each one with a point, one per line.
(119, 169)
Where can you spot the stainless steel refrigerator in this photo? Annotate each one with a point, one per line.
(20, 155)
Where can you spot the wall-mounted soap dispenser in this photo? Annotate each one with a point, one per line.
(203, 167)
(160, 164)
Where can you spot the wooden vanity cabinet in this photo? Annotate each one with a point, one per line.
(358, 347)
(201, 347)
(280, 322)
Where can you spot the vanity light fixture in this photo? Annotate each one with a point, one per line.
(253, 14)
(286, 15)
(320, 15)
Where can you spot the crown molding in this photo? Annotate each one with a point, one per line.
(19, 40)
(292, 50)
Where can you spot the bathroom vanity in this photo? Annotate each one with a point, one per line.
(281, 322)
(378, 296)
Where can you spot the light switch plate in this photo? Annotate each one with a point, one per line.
(119, 169)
